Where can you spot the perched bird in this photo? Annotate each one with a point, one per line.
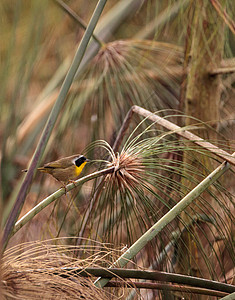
(65, 169)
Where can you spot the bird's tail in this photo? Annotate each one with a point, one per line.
(42, 169)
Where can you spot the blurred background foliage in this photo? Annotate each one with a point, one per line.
(141, 60)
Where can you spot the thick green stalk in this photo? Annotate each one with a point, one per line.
(72, 14)
(51, 122)
(165, 220)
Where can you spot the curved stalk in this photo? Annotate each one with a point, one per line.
(51, 122)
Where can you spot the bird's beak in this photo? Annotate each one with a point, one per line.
(88, 160)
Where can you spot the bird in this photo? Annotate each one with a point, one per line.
(65, 169)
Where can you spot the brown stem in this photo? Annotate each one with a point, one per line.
(223, 70)
(123, 129)
(185, 134)
(165, 286)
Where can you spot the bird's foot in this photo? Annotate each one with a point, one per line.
(63, 187)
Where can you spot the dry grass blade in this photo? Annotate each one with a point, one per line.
(43, 270)
(223, 14)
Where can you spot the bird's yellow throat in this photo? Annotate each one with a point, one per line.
(79, 169)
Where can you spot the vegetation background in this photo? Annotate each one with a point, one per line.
(175, 58)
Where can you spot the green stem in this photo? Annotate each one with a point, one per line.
(165, 220)
(40, 206)
(72, 14)
(51, 122)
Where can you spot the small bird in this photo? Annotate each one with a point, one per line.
(65, 169)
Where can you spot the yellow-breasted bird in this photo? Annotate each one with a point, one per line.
(65, 169)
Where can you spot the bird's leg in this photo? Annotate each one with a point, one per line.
(72, 181)
(64, 184)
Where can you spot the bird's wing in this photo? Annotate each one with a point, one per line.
(62, 163)
(54, 165)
